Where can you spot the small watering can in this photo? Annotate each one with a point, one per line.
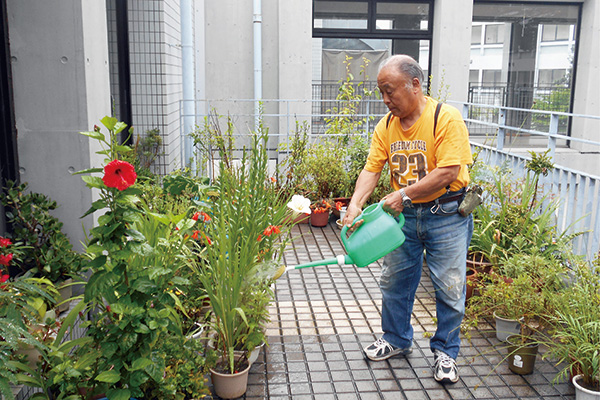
(377, 236)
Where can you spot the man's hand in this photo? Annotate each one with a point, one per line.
(393, 204)
(351, 213)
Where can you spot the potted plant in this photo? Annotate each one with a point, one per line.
(320, 211)
(47, 252)
(135, 254)
(246, 232)
(574, 337)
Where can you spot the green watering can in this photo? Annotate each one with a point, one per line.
(378, 235)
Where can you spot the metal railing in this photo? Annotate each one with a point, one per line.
(578, 191)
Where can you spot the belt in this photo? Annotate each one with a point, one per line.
(446, 198)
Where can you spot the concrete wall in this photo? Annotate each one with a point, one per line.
(60, 81)
(587, 87)
(451, 49)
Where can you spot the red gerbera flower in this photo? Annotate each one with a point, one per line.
(5, 259)
(119, 174)
(4, 242)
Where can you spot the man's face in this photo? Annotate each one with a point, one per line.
(399, 93)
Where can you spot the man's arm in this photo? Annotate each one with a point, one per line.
(365, 185)
(437, 179)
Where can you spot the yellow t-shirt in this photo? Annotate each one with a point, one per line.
(414, 152)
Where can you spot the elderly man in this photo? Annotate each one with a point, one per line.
(427, 148)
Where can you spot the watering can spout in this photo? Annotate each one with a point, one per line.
(340, 260)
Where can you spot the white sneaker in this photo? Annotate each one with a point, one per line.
(445, 369)
(382, 350)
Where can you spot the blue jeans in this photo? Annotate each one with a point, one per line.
(445, 236)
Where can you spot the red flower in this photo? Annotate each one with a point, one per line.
(3, 279)
(5, 259)
(5, 242)
(270, 230)
(195, 235)
(119, 174)
(205, 216)
(207, 239)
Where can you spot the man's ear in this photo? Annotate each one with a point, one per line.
(416, 83)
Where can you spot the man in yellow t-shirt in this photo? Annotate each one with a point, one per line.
(427, 148)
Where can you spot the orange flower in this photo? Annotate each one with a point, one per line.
(196, 216)
(207, 239)
(195, 235)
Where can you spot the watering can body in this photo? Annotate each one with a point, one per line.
(377, 236)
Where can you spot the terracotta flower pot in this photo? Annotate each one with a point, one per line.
(471, 282)
(319, 219)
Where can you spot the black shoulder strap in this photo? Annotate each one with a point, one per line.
(435, 117)
(387, 123)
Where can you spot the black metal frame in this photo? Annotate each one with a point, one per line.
(372, 33)
(9, 160)
(124, 70)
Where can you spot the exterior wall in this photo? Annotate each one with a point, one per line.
(60, 80)
(587, 86)
(451, 48)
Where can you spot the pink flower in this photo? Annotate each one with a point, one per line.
(119, 174)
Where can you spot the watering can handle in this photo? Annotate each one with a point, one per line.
(345, 227)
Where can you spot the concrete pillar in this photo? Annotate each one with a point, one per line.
(451, 49)
(61, 87)
(587, 87)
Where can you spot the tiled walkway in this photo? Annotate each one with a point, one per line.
(323, 316)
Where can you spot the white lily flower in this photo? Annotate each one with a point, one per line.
(299, 204)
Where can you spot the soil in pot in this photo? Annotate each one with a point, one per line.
(226, 385)
(521, 357)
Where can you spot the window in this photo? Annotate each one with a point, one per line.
(374, 29)
(494, 34)
(476, 34)
(341, 14)
(552, 33)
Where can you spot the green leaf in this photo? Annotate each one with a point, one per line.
(155, 371)
(144, 285)
(88, 171)
(123, 148)
(118, 394)
(97, 262)
(134, 234)
(160, 217)
(111, 376)
(186, 224)
(119, 126)
(94, 135)
(93, 181)
(109, 122)
(140, 363)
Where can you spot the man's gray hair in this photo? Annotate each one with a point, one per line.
(406, 65)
